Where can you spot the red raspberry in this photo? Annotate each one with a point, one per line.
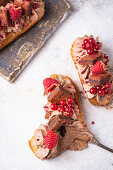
(49, 82)
(50, 140)
(98, 68)
(15, 13)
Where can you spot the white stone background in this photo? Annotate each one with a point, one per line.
(21, 103)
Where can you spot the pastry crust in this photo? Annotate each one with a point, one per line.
(35, 148)
(91, 100)
(12, 36)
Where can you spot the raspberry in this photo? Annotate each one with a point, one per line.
(15, 13)
(48, 82)
(50, 140)
(98, 68)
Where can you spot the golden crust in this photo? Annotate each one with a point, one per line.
(91, 100)
(12, 36)
(33, 148)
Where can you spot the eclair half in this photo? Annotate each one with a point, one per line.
(93, 70)
(65, 129)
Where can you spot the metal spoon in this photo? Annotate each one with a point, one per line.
(96, 142)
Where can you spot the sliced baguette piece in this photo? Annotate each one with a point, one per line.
(12, 36)
(92, 100)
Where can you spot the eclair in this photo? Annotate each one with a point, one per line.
(17, 17)
(65, 128)
(93, 70)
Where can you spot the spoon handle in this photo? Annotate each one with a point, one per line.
(102, 146)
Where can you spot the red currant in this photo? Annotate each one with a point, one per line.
(106, 57)
(107, 91)
(86, 41)
(53, 106)
(106, 63)
(84, 46)
(70, 100)
(72, 106)
(90, 51)
(92, 122)
(91, 40)
(97, 47)
(60, 108)
(67, 109)
(98, 87)
(101, 92)
(69, 114)
(66, 106)
(35, 6)
(63, 102)
(93, 90)
(107, 85)
(89, 45)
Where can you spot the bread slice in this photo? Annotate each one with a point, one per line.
(27, 25)
(94, 99)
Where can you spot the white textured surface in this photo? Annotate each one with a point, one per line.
(21, 103)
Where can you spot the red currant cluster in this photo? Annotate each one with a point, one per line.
(90, 45)
(65, 106)
(101, 90)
